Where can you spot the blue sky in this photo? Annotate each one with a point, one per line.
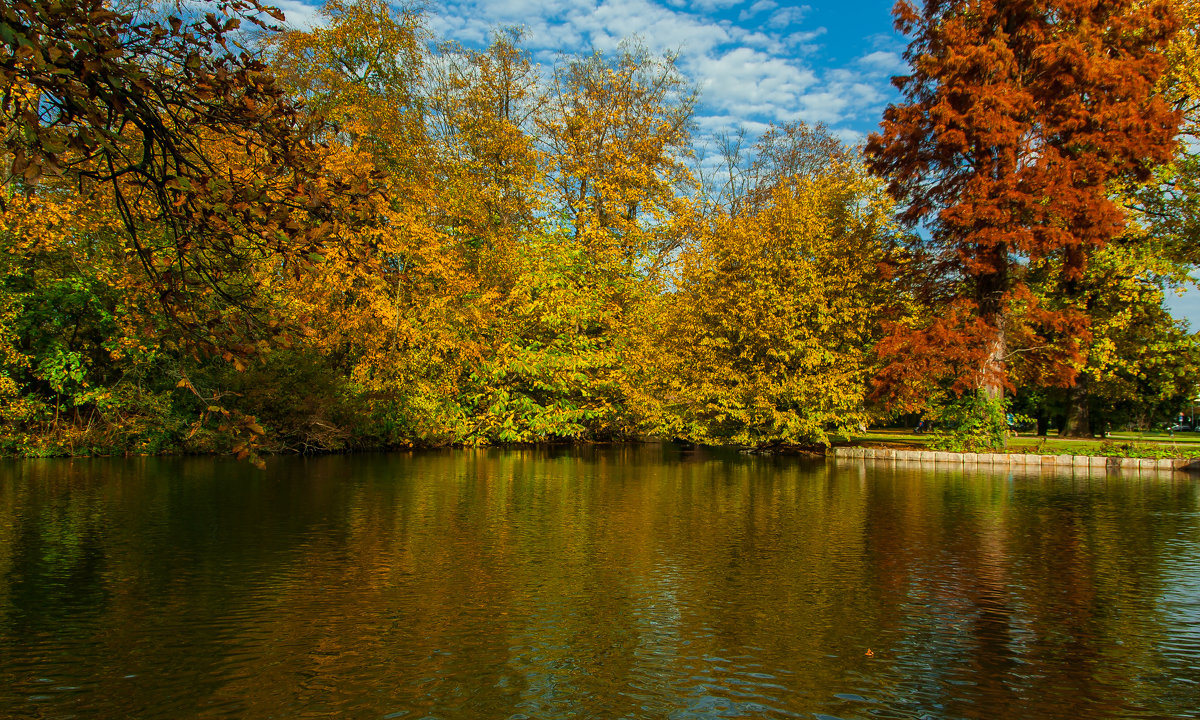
(1186, 306)
(754, 61)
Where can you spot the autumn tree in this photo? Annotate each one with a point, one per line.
(617, 132)
(174, 138)
(766, 337)
(482, 105)
(150, 110)
(361, 70)
(1017, 118)
(1156, 252)
(57, 315)
(1142, 363)
(747, 172)
(1169, 205)
(458, 319)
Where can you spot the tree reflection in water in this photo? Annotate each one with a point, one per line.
(635, 582)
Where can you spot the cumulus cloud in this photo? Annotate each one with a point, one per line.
(884, 61)
(751, 82)
(786, 17)
(710, 5)
(850, 137)
(803, 42)
(756, 8)
(662, 29)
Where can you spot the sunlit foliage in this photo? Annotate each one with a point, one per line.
(355, 235)
(1015, 122)
(766, 337)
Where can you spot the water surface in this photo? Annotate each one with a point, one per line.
(613, 583)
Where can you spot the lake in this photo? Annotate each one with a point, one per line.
(626, 582)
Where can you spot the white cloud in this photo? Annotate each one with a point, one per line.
(710, 5)
(883, 61)
(662, 29)
(850, 137)
(786, 17)
(751, 82)
(803, 41)
(886, 42)
(713, 125)
(756, 8)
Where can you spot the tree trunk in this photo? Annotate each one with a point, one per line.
(991, 296)
(992, 381)
(1078, 423)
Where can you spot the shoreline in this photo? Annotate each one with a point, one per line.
(838, 451)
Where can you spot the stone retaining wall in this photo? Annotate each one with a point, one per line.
(1018, 460)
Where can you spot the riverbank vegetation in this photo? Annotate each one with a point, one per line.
(223, 236)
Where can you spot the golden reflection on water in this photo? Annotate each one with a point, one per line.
(636, 582)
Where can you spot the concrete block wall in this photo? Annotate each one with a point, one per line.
(1062, 462)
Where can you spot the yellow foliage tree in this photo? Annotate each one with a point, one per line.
(487, 164)
(617, 134)
(766, 336)
(1142, 362)
(361, 70)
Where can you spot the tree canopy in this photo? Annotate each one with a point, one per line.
(1016, 121)
(220, 233)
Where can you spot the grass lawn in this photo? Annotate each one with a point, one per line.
(1123, 444)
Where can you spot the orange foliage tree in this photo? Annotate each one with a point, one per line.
(1016, 119)
(149, 110)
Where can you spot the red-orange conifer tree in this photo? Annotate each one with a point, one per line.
(1016, 118)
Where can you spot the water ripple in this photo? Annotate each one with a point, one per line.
(503, 585)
